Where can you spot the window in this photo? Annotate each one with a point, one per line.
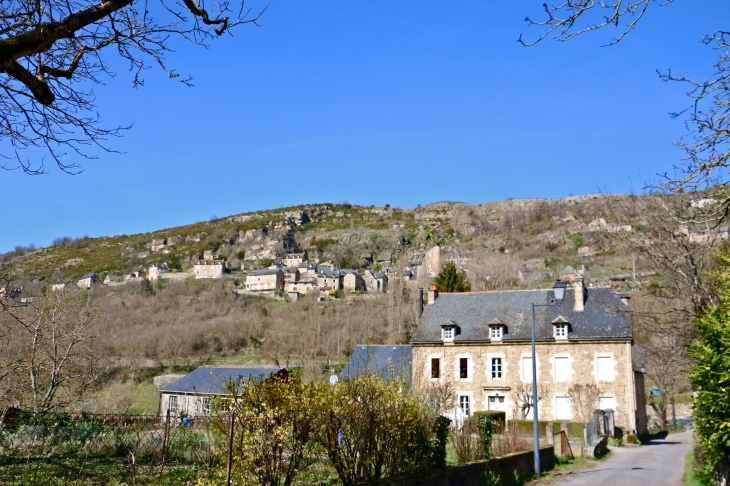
(496, 332)
(607, 403)
(464, 404)
(496, 368)
(561, 330)
(172, 405)
(562, 369)
(526, 368)
(435, 367)
(448, 333)
(463, 368)
(604, 368)
(205, 405)
(562, 408)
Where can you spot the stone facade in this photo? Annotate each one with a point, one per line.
(617, 390)
(208, 269)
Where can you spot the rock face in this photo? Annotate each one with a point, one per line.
(297, 218)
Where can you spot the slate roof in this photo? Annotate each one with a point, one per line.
(265, 271)
(604, 317)
(207, 379)
(89, 275)
(386, 360)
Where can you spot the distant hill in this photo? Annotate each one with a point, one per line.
(539, 234)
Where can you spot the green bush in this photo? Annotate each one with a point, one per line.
(577, 239)
(632, 439)
(498, 417)
(710, 373)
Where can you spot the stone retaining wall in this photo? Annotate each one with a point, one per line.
(473, 474)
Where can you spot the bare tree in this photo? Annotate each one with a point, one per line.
(584, 401)
(522, 395)
(494, 271)
(707, 142)
(52, 52)
(51, 343)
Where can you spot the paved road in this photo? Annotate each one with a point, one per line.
(658, 463)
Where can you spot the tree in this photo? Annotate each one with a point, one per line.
(275, 425)
(710, 373)
(707, 118)
(49, 350)
(451, 279)
(584, 401)
(174, 262)
(52, 52)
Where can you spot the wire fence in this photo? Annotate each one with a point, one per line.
(124, 449)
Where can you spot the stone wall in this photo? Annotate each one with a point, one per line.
(473, 474)
(582, 355)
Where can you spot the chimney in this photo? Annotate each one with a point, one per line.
(420, 303)
(579, 292)
(433, 293)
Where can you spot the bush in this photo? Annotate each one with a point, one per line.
(498, 417)
(374, 429)
(632, 439)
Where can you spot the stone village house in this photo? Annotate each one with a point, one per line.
(267, 280)
(191, 395)
(480, 341)
(89, 280)
(208, 269)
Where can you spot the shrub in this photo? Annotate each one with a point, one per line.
(577, 239)
(632, 439)
(375, 429)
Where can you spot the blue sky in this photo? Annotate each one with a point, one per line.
(403, 103)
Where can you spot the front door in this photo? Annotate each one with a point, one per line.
(496, 402)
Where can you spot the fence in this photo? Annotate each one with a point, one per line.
(131, 449)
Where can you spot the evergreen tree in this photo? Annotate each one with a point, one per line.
(451, 279)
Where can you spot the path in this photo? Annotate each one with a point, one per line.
(660, 462)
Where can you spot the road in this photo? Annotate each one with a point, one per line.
(657, 463)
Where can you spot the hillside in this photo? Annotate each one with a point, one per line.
(537, 233)
(147, 330)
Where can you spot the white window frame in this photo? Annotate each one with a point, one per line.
(570, 410)
(449, 333)
(496, 371)
(495, 332)
(556, 377)
(561, 331)
(464, 398)
(469, 367)
(526, 372)
(611, 370)
(173, 409)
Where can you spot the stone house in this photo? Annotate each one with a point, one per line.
(293, 259)
(89, 280)
(111, 279)
(291, 274)
(265, 280)
(480, 343)
(331, 278)
(353, 281)
(191, 395)
(59, 285)
(154, 272)
(431, 265)
(209, 268)
(376, 281)
(300, 287)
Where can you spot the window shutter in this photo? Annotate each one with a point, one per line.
(562, 369)
(604, 368)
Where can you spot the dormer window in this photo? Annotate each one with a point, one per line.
(496, 330)
(561, 328)
(449, 330)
